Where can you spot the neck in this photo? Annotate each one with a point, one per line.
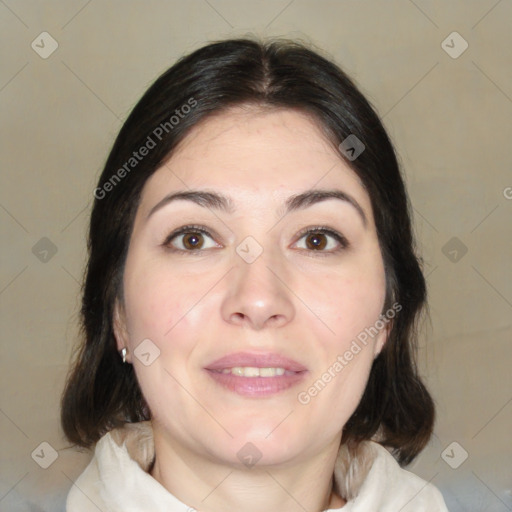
(208, 486)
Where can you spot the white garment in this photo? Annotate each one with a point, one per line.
(116, 481)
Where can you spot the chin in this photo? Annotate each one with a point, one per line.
(253, 445)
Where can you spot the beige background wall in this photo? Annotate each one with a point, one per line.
(450, 118)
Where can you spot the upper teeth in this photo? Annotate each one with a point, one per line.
(250, 371)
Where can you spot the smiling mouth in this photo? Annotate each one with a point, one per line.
(252, 371)
(256, 374)
(254, 382)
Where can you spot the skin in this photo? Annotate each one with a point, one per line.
(304, 303)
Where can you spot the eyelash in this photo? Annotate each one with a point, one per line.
(192, 228)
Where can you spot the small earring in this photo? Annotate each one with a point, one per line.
(124, 350)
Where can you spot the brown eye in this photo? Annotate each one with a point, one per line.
(192, 240)
(316, 241)
(189, 239)
(323, 240)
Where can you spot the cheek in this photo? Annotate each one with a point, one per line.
(359, 306)
(157, 301)
(355, 300)
(356, 297)
(164, 308)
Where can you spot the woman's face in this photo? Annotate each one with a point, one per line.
(214, 314)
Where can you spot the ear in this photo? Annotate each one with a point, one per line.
(382, 338)
(119, 327)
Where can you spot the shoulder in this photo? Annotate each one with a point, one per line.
(116, 477)
(387, 487)
(84, 494)
(395, 487)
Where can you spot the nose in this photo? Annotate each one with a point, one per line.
(258, 295)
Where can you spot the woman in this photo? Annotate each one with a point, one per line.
(250, 300)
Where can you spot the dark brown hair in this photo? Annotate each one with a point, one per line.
(101, 392)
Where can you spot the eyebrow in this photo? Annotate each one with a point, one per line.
(223, 203)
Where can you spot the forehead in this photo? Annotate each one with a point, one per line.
(255, 155)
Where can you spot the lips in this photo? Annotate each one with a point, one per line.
(245, 359)
(256, 375)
